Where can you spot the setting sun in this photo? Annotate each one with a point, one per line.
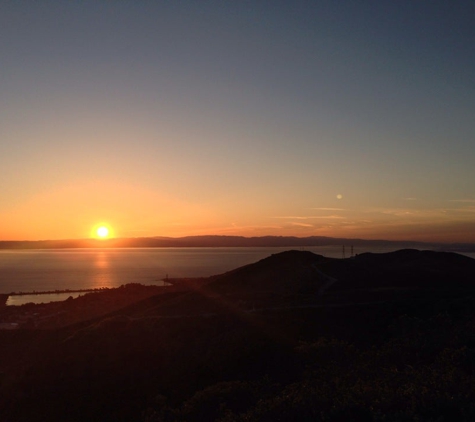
(102, 232)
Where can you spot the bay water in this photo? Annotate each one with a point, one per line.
(74, 269)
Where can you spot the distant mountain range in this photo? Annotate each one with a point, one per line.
(228, 241)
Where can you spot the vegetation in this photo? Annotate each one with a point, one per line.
(400, 353)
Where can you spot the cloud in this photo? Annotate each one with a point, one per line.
(469, 209)
(301, 224)
(465, 201)
(294, 217)
(409, 212)
(329, 209)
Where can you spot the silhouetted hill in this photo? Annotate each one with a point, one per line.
(291, 272)
(406, 268)
(295, 336)
(297, 278)
(303, 272)
(301, 278)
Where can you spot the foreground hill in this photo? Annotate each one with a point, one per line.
(303, 270)
(302, 277)
(296, 336)
(290, 272)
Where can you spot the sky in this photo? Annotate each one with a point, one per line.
(172, 118)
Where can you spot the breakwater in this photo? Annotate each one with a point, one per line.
(4, 296)
(51, 292)
(21, 298)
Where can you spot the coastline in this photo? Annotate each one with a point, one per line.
(36, 274)
(51, 292)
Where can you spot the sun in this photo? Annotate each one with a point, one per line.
(102, 232)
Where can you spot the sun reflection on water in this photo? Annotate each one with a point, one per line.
(103, 278)
(101, 260)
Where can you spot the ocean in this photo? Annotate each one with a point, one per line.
(74, 269)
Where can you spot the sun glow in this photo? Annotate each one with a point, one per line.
(101, 231)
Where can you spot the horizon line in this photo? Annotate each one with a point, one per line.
(241, 237)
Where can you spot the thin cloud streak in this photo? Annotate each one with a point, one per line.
(329, 209)
(290, 217)
(466, 201)
(301, 224)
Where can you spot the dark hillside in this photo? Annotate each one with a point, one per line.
(406, 268)
(295, 336)
(292, 271)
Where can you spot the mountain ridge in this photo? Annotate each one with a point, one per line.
(230, 241)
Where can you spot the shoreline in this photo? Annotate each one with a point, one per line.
(4, 297)
(52, 292)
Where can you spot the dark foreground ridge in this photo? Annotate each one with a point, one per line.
(295, 336)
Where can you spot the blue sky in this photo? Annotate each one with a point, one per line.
(176, 118)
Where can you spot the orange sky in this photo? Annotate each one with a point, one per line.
(182, 118)
(132, 211)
